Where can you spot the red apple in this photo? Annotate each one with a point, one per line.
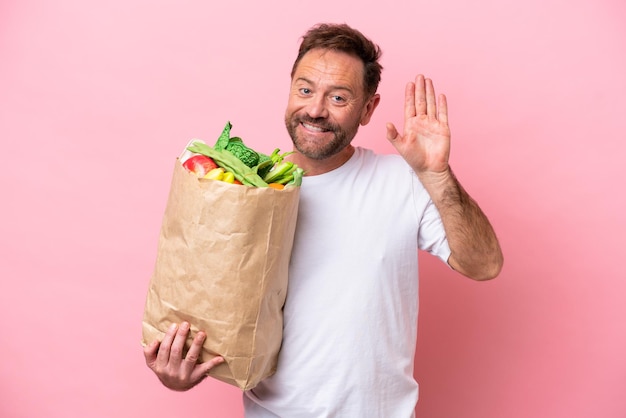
(199, 164)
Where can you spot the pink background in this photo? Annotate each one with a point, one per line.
(97, 98)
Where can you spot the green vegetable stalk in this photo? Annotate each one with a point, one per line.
(282, 171)
(279, 172)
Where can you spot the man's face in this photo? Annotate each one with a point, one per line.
(326, 103)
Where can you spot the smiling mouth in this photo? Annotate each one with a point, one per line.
(314, 128)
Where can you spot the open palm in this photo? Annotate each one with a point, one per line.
(425, 142)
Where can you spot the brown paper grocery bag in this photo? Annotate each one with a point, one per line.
(222, 261)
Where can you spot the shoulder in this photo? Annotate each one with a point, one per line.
(389, 169)
(371, 158)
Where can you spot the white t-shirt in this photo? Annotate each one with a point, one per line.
(350, 317)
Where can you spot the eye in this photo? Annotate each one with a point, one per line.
(338, 99)
(305, 91)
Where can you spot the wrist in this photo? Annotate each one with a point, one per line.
(436, 179)
(443, 187)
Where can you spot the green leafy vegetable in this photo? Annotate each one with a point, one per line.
(224, 137)
(247, 155)
(297, 178)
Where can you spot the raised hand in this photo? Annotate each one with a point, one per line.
(425, 141)
(165, 359)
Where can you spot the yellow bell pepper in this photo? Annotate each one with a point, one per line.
(215, 174)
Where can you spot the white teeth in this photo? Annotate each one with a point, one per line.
(312, 128)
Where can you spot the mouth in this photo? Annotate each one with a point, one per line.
(314, 128)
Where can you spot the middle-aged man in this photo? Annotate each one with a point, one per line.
(350, 317)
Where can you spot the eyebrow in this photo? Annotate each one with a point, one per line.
(332, 87)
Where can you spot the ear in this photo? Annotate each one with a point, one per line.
(369, 108)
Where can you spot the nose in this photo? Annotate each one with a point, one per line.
(316, 108)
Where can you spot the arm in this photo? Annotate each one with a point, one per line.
(166, 360)
(425, 145)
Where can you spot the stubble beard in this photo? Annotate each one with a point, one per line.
(320, 151)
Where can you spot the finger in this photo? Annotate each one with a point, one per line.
(443, 109)
(431, 103)
(392, 132)
(150, 352)
(202, 370)
(409, 100)
(194, 352)
(178, 345)
(163, 355)
(420, 95)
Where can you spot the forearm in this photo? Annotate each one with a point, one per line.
(475, 251)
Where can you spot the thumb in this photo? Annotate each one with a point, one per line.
(392, 133)
(202, 370)
(150, 352)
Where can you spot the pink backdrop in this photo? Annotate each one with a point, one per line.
(96, 100)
